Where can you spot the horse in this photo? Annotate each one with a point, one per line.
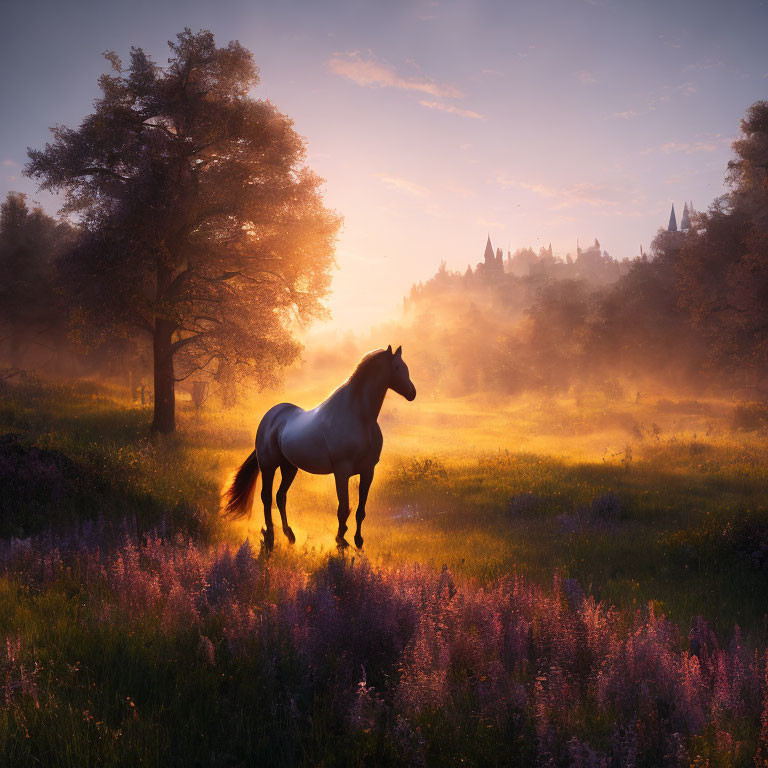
(341, 436)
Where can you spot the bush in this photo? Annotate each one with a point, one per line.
(751, 417)
(420, 472)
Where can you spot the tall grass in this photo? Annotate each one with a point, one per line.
(137, 628)
(123, 649)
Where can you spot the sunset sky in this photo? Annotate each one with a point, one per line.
(436, 123)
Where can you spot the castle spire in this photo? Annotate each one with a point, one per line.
(685, 221)
(489, 254)
(672, 220)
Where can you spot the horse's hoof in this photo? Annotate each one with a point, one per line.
(269, 538)
(358, 541)
(289, 533)
(341, 542)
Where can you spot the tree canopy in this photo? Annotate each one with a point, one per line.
(723, 270)
(202, 226)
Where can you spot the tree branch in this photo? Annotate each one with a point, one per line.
(93, 171)
(181, 343)
(198, 368)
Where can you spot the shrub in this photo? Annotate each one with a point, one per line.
(751, 417)
(420, 472)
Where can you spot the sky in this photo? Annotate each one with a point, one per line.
(436, 123)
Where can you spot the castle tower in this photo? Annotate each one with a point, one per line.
(489, 255)
(685, 221)
(672, 221)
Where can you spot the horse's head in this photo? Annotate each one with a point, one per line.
(399, 378)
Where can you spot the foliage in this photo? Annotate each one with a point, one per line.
(75, 452)
(724, 265)
(32, 311)
(751, 416)
(201, 226)
(162, 637)
(692, 313)
(275, 663)
(417, 471)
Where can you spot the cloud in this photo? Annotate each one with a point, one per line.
(703, 65)
(689, 148)
(428, 15)
(451, 109)
(662, 95)
(670, 42)
(460, 191)
(586, 77)
(488, 223)
(400, 184)
(9, 163)
(706, 143)
(666, 93)
(371, 72)
(540, 189)
(580, 194)
(585, 193)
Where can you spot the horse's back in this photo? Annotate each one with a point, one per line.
(290, 433)
(268, 434)
(303, 442)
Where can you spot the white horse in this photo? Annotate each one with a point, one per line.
(340, 436)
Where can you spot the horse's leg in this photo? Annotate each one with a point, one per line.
(267, 478)
(342, 491)
(366, 478)
(287, 475)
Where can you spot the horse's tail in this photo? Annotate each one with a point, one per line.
(240, 493)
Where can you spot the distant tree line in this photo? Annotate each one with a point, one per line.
(201, 234)
(32, 310)
(693, 311)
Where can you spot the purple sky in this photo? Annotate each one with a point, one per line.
(436, 123)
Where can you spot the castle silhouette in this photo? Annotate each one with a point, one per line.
(591, 263)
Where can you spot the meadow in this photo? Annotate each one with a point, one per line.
(554, 581)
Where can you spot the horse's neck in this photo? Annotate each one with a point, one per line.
(367, 396)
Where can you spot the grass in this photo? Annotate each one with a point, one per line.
(656, 502)
(692, 507)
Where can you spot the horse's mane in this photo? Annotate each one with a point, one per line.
(365, 365)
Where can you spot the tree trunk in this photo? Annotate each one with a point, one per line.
(165, 398)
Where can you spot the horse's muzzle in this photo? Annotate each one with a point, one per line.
(411, 396)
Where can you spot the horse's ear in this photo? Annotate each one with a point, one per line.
(389, 349)
(399, 352)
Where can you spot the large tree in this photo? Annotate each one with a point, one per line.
(723, 270)
(201, 224)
